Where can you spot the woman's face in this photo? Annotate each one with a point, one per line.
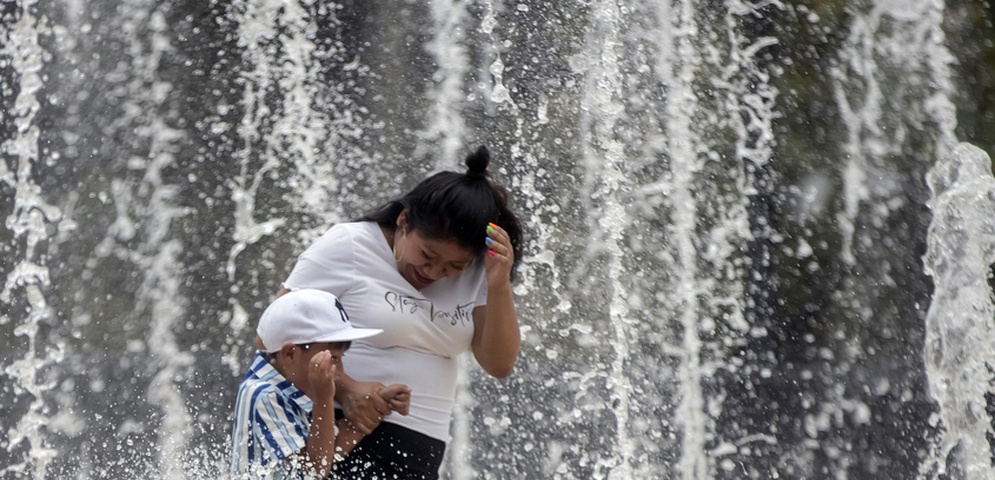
(422, 261)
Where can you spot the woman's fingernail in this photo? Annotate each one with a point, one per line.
(489, 241)
(490, 252)
(490, 229)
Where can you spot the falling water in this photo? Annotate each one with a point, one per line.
(603, 155)
(30, 223)
(959, 335)
(734, 265)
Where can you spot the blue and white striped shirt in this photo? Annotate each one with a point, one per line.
(271, 423)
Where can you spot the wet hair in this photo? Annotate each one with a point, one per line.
(451, 206)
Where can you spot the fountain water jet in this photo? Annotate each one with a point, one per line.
(959, 336)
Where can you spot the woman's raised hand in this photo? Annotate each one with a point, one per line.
(499, 258)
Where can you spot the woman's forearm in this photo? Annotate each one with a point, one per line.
(497, 336)
(360, 403)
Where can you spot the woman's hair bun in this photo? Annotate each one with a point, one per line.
(476, 162)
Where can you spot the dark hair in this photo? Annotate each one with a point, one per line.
(346, 345)
(450, 206)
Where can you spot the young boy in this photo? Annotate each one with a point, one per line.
(285, 412)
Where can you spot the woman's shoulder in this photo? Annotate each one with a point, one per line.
(349, 238)
(362, 234)
(330, 262)
(350, 231)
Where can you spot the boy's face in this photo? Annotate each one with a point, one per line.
(297, 361)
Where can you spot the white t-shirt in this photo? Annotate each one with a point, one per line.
(423, 331)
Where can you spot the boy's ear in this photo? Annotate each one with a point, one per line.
(288, 350)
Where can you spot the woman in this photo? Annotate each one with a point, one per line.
(433, 270)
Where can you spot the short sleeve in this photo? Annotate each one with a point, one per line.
(481, 278)
(278, 429)
(327, 264)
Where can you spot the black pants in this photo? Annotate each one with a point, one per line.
(392, 452)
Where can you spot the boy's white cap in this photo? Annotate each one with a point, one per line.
(307, 316)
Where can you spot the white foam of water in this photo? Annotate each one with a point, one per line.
(284, 138)
(498, 93)
(907, 36)
(30, 222)
(939, 60)
(891, 34)
(444, 118)
(603, 160)
(459, 453)
(960, 323)
(270, 138)
(751, 99)
(159, 295)
(677, 70)
(295, 132)
(445, 131)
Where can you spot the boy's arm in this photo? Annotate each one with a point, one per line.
(347, 440)
(320, 445)
(397, 396)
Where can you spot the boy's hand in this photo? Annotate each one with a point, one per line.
(398, 397)
(321, 374)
